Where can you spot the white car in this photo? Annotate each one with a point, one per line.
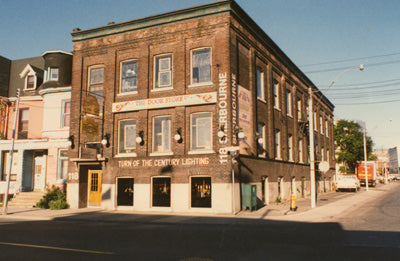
(347, 182)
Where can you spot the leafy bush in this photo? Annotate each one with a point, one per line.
(54, 199)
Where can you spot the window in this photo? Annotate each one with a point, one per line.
(127, 136)
(315, 121)
(321, 125)
(30, 82)
(299, 109)
(62, 164)
(162, 134)
(300, 150)
(161, 192)
(261, 142)
(23, 124)
(276, 94)
(163, 71)
(51, 74)
(290, 147)
(327, 156)
(201, 131)
(201, 66)
(129, 76)
(326, 128)
(96, 80)
(322, 154)
(277, 139)
(288, 102)
(201, 192)
(125, 192)
(260, 83)
(66, 114)
(6, 166)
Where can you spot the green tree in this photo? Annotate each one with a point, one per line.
(349, 145)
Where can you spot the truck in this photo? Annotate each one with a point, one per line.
(347, 182)
(371, 172)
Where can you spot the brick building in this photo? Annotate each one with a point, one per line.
(157, 102)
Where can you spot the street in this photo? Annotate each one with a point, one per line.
(369, 232)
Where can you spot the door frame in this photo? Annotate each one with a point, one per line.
(100, 186)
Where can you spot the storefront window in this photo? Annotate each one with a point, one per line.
(201, 192)
(125, 192)
(161, 192)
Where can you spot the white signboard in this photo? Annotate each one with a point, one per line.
(245, 118)
(165, 102)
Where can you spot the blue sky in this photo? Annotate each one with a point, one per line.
(321, 37)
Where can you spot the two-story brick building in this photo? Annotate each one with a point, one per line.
(158, 103)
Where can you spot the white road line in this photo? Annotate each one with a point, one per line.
(57, 248)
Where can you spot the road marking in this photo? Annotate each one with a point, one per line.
(57, 248)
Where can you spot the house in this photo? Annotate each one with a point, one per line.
(42, 126)
(166, 108)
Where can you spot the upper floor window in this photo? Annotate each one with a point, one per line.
(260, 83)
(30, 82)
(201, 66)
(128, 76)
(290, 147)
(326, 128)
(127, 136)
(261, 142)
(276, 94)
(51, 74)
(162, 134)
(321, 125)
(23, 124)
(66, 114)
(277, 140)
(96, 81)
(300, 150)
(299, 109)
(163, 71)
(288, 102)
(315, 121)
(201, 131)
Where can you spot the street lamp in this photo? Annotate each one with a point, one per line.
(311, 129)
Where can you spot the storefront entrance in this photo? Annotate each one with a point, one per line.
(94, 188)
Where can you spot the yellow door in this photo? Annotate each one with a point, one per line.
(94, 188)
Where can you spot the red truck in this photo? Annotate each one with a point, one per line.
(371, 173)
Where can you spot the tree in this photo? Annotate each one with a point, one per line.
(349, 145)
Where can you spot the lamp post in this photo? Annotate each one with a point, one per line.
(311, 130)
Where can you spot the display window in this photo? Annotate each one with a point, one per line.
(201, 192)
(161, 192)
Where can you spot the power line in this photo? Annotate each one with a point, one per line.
(348, 60)
(344, 68)
(364, 95)
(369, 87)
(366, 83)
(362, 103)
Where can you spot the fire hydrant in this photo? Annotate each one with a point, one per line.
(293, 202)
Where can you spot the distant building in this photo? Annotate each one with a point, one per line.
(159, 102)
(40, 154)
(382, 160)
(394, 154)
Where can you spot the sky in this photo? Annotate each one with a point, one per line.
(323, 38)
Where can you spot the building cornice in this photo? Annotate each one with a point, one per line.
(27, 98)
(55, 90)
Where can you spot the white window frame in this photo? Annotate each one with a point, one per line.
(326, 128)
(163, 151)
(157, 73)
(121, 92)
(59, 160)
(276, 89)
(321, 125)
(322, 154)
(48, 74)
(34, 81)
(260, 84)
(208, 148)
(290, 147)
(289, 110)
(63, 114)
(193, 84)
(262, 135)
(299, 109)
(277, 141)
(131, 150)
(301, 160)
(315, 120)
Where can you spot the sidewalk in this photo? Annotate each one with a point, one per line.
(329, 207)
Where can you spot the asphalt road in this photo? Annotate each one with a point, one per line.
(370, 232)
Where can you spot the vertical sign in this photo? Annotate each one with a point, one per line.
(245, 119)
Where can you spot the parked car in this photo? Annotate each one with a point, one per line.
(380, 179)
(347, 182)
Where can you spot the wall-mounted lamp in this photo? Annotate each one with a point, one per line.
(178, 135)
(71, 141)
(258, 138)
(106, 140)
(238, 132)
(221, 132)
(139, 138)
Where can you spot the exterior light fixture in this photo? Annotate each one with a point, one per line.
(178, 135)
(221, 132)
(139, 138)
(71, 141)
(238, 132)
(106, 140)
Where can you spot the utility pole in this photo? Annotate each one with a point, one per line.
(311, 133)
(365, 160)
(5, 203)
